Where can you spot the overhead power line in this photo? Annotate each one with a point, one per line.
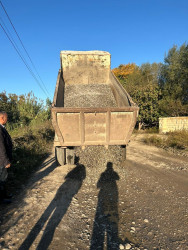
(23, 60)
(8, 32)
(19, 53)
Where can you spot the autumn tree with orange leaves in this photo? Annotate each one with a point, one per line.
(124, 70)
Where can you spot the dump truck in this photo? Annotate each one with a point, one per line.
(90, 106)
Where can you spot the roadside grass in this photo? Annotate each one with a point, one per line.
(153, 130)
(31, 145)
(175, 140)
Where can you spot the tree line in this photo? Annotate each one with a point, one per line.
(24, 110)
(159, 89)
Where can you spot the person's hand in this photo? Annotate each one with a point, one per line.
(7, 166)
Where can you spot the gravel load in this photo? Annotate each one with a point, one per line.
(93, 95)
(89, 95)
(99, 156)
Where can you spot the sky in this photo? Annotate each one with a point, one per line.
(138, 31)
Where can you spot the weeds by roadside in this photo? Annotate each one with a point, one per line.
(31, 145)
(176, 140)
(153, 130)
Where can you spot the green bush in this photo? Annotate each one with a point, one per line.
(31, 146)
(24, 110)
(31, 130)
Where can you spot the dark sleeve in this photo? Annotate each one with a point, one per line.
(3, 155)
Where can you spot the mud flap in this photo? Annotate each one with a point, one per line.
(60, 155)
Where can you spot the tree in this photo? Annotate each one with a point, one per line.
(158, 89)
(147, 98)
(124, 70)
(142, 85)
(174, 82)
(24, 109)
(29, 107)
(8, 103)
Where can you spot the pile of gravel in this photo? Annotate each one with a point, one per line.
(89, 95)
(99, 156)
(93, 95)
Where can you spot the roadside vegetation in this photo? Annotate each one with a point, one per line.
(30, 128)
(174, 140)
(160, 90)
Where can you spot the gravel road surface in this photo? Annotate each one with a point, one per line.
(102, 203)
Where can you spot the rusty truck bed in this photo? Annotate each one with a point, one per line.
(87, 122)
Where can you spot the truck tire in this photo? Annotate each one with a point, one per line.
(60, 155)
(124, 147)
(70, 156)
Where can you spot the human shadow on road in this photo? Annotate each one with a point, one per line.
(41, 174)
(56, 209)
(106, 218)
(47, 167)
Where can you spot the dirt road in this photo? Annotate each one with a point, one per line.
(140, 204)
